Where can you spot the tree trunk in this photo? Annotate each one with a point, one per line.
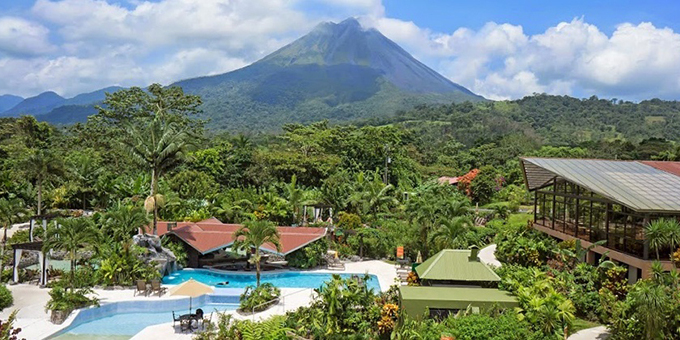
(73, 268)
(658, 258)
(671, 255)
(39, 196)
(154, 192)
(257, 266)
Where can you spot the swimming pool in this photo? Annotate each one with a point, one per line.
(281, 280)
(122, 320)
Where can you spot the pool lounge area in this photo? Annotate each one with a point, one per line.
(122, 320)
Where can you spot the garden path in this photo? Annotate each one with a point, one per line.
(595, 333)
(487, 255)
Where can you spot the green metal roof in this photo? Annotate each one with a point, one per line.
(455, 265)
(415, 300)
(463, 294)
(636, 185)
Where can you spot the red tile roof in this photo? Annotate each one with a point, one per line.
(448, 180)
(209, 235)
(670, 167)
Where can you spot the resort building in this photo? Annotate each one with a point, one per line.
(605, 200)
(453, 280)
(206, 240)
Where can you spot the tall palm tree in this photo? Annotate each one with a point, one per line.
(294, 194)
(655, 232)
(253, 235)
(446, 236)
(160, 144)
(70, 235)
(123, 221)
(41, 166)
(10, 211)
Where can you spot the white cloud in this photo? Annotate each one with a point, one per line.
(500, 61)
(22, 37)
(95, 43)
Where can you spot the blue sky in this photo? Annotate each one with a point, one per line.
(500, 49)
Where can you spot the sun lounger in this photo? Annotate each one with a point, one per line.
(140, 286)
(336, 265)
(157, 288)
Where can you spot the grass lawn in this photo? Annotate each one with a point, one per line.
(519, 218)
(580, 324)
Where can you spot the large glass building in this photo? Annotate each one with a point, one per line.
(605, 200)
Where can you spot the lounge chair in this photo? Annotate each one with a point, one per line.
(157, 288)
(336, 265)
(141, 288)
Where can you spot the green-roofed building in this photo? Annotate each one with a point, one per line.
(456, 266)
(440, 301)
(453, 280)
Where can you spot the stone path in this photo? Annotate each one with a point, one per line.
(595, 333)
(487, 255)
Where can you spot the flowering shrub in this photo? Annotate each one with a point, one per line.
(412, 279)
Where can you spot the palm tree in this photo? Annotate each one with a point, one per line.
(40, 166)
(672, 231)
(233, 211)
(655, 232)
(10, 211)
(294, 194)
(160, 145)
(254, 234)
(446, 236)
(123, 221)
(650, 302)
(70, 235)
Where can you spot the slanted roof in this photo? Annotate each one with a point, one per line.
(416, 299)
(639, 186)
(210, 235)
(455, 265)
(448, 180)
(456, 294)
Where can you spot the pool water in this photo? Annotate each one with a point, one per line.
(281, 280)
(125, 325)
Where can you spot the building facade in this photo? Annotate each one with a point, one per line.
(605, 202)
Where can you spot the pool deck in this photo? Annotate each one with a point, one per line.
(30, 300)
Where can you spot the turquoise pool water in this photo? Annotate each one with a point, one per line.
(122, 320)
(281, 280)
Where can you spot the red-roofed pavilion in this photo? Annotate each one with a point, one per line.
(212, 235)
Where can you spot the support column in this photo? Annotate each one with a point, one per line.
(17, 259)
(632, 274)
(31, 225)
(590, 257)
(42, 264)
(645, 246)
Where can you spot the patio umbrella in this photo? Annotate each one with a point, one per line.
(419, 258)
(192, 289)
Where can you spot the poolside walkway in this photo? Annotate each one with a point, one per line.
(30, 300)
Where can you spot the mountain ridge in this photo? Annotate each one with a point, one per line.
(338, 72)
